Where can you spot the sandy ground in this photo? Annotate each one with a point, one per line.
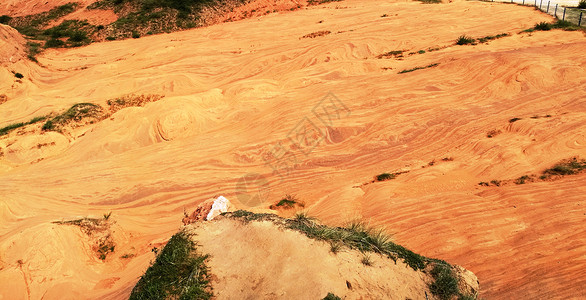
(241, 93)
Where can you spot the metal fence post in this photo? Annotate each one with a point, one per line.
(523, 2)
(564, 16)
(580, 20)
(556, 10)
(548, 6)
(540, 3)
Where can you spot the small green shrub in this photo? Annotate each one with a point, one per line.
(18, 75)
(366, 259)
(385, 176)
(543, 26)
(394, 53)
(4, 19)
(465, 40)
(522, 180)
(565, 25)
(495, 182)
(54, 43)
(567, 167)
(445, 285)
(430, 1)
(331, 296)
(582, 4)
(288, 202)
(513, 120)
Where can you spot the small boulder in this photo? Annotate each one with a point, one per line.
(221, 205)
(208, 210)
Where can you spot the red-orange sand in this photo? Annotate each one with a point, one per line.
(234, 91)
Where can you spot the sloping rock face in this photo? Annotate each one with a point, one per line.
(261, 260)
(12, 46)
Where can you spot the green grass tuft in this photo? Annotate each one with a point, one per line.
(445, 285)
(465, 40)
(5, 130)
(75, 114)
(543, 26)
(419, 68)
(567, 167)
(331, 296)
(179, 272)
(356, 235)
(394, 53)
(385, 176)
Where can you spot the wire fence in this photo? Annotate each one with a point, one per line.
(562, 9)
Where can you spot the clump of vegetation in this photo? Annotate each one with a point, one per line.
(4, 19)
(394, 53)
(492, 37)
(445, 285)
(419, 68)
(331, 296)
(465, 40)
(559, 24)
(18, 75)
(523, 179)
(33, 49)
(32, 25)
(288, 202)
(543, 26)
(131, 100)
(513, 120)
(366, 259)
(388, 176)
(316, 34)
(385, 176)
(566, 167)
(70, 33)
(98, 230)
(105, 245)
(141, 16)
(317, 2)
(6, 129)
(179, 272)
(493, 133)
(496, 182)
(430, 1)
(582, 4)
(76, 113)
(355, 235)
